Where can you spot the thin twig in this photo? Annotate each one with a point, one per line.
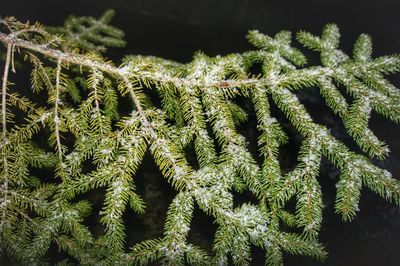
(56, 117)
(4, 133)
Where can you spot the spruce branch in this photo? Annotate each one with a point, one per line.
(198, 109)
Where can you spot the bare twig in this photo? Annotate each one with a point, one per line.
(4, 133)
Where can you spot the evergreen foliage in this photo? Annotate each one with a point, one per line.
(198, 109)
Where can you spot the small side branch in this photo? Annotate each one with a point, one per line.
(57, 120)
(4, 202)
(4, 91)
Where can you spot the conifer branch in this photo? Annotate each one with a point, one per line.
(86, 61)
(198, 109)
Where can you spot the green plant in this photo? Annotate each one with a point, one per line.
(198, 109)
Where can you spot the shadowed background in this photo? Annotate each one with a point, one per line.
(175, 29)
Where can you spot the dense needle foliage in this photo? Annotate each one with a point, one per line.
(78, 108)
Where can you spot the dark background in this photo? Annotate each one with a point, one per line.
(175, 29)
